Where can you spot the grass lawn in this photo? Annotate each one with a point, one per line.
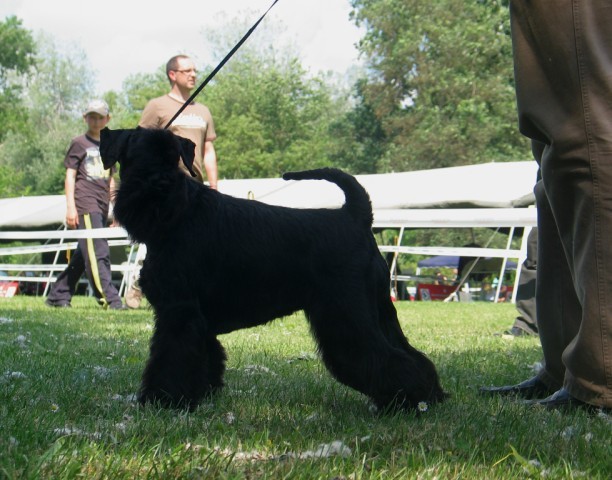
(68, 378)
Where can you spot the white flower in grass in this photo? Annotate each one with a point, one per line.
(229, 418)
(67, 431)
(55, 407)
(422, 406)
(101, 372)
(535, 463)
(326, 450)
(588, 437)
(5, 320)
(312, 418)
(255, 369)
(8, 376)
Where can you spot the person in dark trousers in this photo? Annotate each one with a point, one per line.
(563, 72)
(88, 189)
(526, 322)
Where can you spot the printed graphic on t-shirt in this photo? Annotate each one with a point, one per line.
(94, 166)
(190, 120)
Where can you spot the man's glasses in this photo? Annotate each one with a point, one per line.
(187, 71)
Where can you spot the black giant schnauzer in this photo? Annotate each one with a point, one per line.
(200, 242)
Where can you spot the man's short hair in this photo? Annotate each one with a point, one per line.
(172, 64)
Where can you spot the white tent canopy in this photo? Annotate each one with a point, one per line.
(490, 185)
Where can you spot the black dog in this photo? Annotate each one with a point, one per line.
(200, 242)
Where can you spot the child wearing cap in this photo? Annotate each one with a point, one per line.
(88, 189)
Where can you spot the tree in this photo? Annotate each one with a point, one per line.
(138, 89)
(440, 81)
(17, 49)
(271, 117)
(270, 114)
(17, 57)
(58, 88)
(361, 140)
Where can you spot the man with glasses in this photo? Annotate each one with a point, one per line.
(194, 123)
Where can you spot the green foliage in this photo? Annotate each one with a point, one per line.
(126, 107)
(17, 50)
(438, 92)
(360, 138)
(271, 117)
(441, 81)
(55, 96)
(11, 183)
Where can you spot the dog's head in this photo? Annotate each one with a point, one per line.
(126, 146)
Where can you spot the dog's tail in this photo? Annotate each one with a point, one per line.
(357, 199)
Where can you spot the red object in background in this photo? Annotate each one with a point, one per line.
(429, 291)
(8, 289)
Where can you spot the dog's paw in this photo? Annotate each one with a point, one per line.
(163, 400)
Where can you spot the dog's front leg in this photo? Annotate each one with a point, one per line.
(185, 362)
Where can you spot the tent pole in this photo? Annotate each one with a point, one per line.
(393, 269)
(503, 266)
(517, 278)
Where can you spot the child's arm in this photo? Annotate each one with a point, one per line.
(72, 217)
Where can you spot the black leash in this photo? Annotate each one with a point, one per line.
(220, 66)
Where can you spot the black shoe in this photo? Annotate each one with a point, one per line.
(519, 332)
(119, 306)
(562, 400)
(532, 388)
(49, 303)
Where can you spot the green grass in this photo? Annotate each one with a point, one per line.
(67, 380)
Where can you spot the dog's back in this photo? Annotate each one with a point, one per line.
(357, 199)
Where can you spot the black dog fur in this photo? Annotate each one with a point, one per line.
(200, 242)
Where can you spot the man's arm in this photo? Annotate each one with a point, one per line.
(72, 217)
(112, 188)
(210, 163)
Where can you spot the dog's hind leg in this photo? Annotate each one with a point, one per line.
(185, 363)
(424, 375)
(368, 358)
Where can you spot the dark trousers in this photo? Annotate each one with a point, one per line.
(93, 258)
(527, 318)
(563, 71)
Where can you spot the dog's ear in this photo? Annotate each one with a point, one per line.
(113, 144)
(187, 151)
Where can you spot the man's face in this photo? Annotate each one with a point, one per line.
(185, 74)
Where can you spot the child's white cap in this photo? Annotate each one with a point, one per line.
(97, 106)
